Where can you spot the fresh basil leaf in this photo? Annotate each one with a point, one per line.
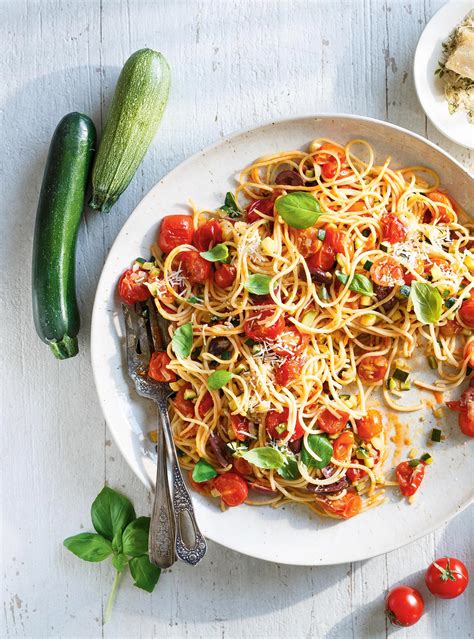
(195, 300)
(359, 283)
(182, 341)
(117, 542)
(218, 379)
(258, 284)
(111, 512)
(322, 447)
(299, 209)
(135, 537)
(427, 302)
(144, 573)
(230, 201)
(89, 546)
(119, 562)
(265, 457)
(203, 471)
(219, 253)
(290, 469)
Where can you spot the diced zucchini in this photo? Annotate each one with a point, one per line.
(189, 393)
(402, 376)
(436, 435)
(368, 265)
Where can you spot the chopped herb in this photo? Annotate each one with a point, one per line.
(281, 428)
(195, 300)
(402, 376)
(436, 435)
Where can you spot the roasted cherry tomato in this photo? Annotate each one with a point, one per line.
(322, 260)
(203, 487)
(307, 241)
(158, 368)
(466, 424)
(370, 425)
(465, 407)
(447, 578)
(288, 371)
(409, 477)
(451, 327)
(276, 425)
(205, 405)
(335, 239)
(333, 151)
(175, 230)
(393, 229)
(466, 312)
(184, 406)
(240, 427)
(232, 488)
(259, 206)
(355, 474)
(404, 606)
(373, 368)
(242, 466)
(469, 353)
(224, 275)
(195, 268)
(343, 445)
(131, 287)
(331, 424)
(386, 271)
(290, 342)
(347, 506)
(207, 235)
(254, 328)
(444, 216)
(331, 171)
(358, 207)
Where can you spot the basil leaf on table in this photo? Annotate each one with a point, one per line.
(320, 446)
(203, 471)
(258, 284)
(111, 512)
(265, 457)
(300, 210)
(289, 470)
(117, 542)
(218, 379)
(144, 573)
(219, 253)
(427, 302)
(89, 546)
(119, 562)
(135, 537)
(182, 341)
(359, 283)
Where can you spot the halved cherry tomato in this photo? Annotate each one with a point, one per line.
(329, 171)
(466, 424)
(259, 206)
(370, 425)
(203, 487)
(274, 422)
(240, 427)
(355, 474)
(207, 235)
(447, 578)
(331, 424)
(373, 368)
(224, 275)
(444, 217)
(358, 207)
(290, 342)
(469, 353)
(131, 288)
(335, 239)
(386, 271)
(254, 328)
(466, 313)
(393, 229)
(347, 506)
(409, 477)
(343, 445)
(288, 371)
(205, 405)
(307, 241)
(404, 606)
(322, 260)
(174, 231)
(242, 466)
(184, 406)
(195, 268)
(232, 488)
(333, 150)
(158, 368)
(451, 327)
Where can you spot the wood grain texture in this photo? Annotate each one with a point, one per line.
(234, 64)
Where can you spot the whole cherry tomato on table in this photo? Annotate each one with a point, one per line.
(409, 477)
(447, 578)
(232, 488)
(207, 235)
(404, 606)
(373, 368)
(195, 268)
(131, 287)
(158, 367)
(175, 230)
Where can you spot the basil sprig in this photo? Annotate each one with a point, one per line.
(320, 446)
(182, 341)
(219, 253)
(121, 535)
(265, 457)
(427, 302)
(299, 209)
(258, 284)
(203, 471)
(359, 283)
(218, 379)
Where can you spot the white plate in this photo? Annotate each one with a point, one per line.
(428, 86)
(289, 535)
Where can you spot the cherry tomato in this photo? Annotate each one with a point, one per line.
(203, 487)
(358, 207)
(333, 151)
(409, 477)
(451, 327)
(242, 466)
(205, 405)
(466, 313)
(466, 424)
(447, 578)
(274, 422)
(207, 235)
(386, 271)
(288, 371)
(465, 407)
(355, 474)
(290, 342)
(331, 171)
(224, 275)
(184, 406)
(232, 488)
(373, 368)
(404, 606)
(131, 290)
(343, 445)
(322, 260)
(174, 231)
(258, 332)
(335, 239)
(195, 268)
(331, 424)
(158, 368)
(370, 425)
(393, 229)
(444, 216)
(469, 353)
(259, 206)
(345, 507)
(307, 241)
(240, 427)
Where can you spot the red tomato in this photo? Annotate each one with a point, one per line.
(469, 353)
(207, 235)
(355, 474)
(174, 231)
(158, 368)
(393, 229)
(386, 271)
(329, 171)
(343, 445)
(290, 342)
(451, 327)
(205, 405)
(224, 275)
(331, 424)
(203, 487)
(242, 466)
(345, 507)
(334, 239)
(232, 488)
(322, 260)
(274, 422)
(129, 290)
(259, 206)
(240, 427)
(466, 313)
(466, 424)
(306, 241)
(288, 371)
(358, 207)
(370, 425)
(195, 268)
(447, 578)
(404, 606)
(184, 406)
(409, 477)
(373, 368)
(258, 332)
(444, 217)
(333, 151)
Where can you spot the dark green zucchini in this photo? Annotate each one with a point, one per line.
(61, 202)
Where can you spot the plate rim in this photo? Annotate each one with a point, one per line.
(96, 313)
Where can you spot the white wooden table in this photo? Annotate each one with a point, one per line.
(234, 64)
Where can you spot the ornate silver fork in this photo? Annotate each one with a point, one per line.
(173, 527)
